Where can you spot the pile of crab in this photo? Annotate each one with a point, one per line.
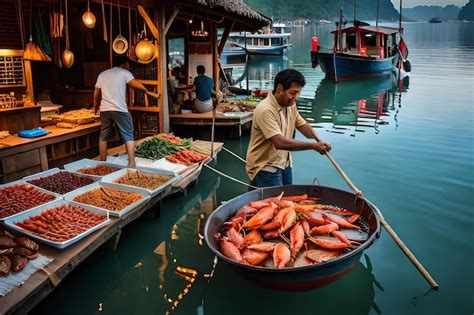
(290, 231)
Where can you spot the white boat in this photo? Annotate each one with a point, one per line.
(268, 42)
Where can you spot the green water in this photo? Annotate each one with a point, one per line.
(411, 153)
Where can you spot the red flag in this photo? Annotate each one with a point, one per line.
(403, 48)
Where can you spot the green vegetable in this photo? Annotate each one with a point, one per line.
(157, 148)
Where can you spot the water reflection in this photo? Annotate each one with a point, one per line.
(354, 106)
(262, 71)
(229, 293)
(186, 263)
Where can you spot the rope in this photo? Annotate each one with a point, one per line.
(232, 153)
(230, 177)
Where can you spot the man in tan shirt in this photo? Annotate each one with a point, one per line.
(271, 140)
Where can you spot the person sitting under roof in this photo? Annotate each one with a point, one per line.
(203, 86)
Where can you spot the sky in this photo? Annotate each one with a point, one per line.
(442, 3)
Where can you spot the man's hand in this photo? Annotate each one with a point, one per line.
(155, 95)
(322, 147)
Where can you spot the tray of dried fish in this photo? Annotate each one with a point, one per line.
(151, 180)
(116, 199)
(92, 168)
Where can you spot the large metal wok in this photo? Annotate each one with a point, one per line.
(300, 278)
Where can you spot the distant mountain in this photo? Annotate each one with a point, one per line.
(324, 9)
(467, 11)
(425, 13)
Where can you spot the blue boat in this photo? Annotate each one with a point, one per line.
(362, 51)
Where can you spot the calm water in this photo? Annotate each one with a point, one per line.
(411, 153)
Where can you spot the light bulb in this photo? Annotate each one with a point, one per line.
(89, 19)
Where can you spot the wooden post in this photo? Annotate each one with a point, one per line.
(163, 71)
(215, 55)
(111, 39)
(225, 36)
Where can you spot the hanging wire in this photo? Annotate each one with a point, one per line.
(232, 153)
(230, 177)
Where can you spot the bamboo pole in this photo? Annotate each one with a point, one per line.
(434, 285)
(213, 128)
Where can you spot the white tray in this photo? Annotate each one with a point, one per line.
(23, 216)
(161, 164)
(54, 171)
(145, 196)
(55, 195)
(153, 192)
(74, 166)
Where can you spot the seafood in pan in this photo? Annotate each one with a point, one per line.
(290, 231)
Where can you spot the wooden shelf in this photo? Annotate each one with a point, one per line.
(144, 109)
(148, 82)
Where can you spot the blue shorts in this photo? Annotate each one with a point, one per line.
(122, 120)
(268, 179)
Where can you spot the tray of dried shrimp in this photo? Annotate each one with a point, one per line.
(59, 224)
(92, 168)
(152, 181)
(116, 199)
(19, 196)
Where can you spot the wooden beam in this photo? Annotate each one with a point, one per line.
(171, 19)
(163, 70)
(215, 55)
(224, 37)
(148, 22)
(111, 40)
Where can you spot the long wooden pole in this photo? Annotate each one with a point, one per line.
(213, 126)
(434, 285)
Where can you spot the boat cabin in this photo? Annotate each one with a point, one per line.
(370, 41)
(260, 40)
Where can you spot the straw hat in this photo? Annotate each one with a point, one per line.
(120, 45)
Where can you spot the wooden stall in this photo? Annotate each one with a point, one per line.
(29, 70)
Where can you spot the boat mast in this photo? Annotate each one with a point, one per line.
(400, 20)
(377, 19)
(354, 12)
(339, 31)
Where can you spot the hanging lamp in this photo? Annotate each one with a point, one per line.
(88, 18)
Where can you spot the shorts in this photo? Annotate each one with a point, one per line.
(203, 106)
(122, 120)
(268, 179)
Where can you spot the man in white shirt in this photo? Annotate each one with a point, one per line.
(109, 94)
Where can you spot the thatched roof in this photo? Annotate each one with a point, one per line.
(238, 8)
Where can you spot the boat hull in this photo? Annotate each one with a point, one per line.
(262, 50)
(341, 67)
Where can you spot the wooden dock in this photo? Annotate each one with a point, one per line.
(235, 122)
(41, 283)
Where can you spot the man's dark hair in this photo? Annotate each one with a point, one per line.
(200, 69)
(288, 76)
(117, 61)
